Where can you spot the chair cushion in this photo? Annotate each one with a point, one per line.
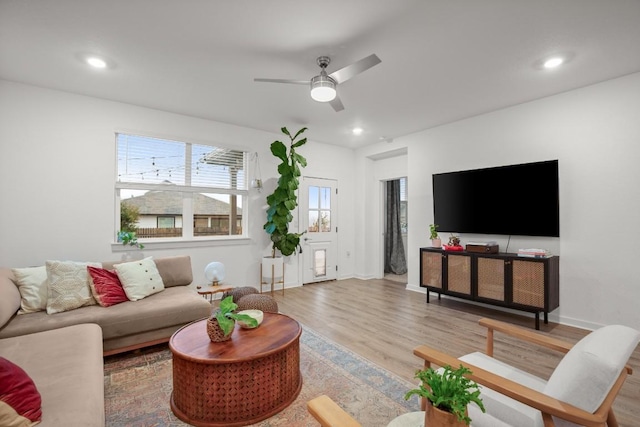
(239, 292)
(587, 372)
(502, 410)
(258, 302)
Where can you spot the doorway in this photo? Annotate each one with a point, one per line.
(319, 214)
(395, 230)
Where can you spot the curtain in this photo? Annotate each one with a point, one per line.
(394, 258)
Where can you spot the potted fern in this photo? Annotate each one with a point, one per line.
(448, 392)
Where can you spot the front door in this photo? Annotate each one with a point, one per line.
(318, 210)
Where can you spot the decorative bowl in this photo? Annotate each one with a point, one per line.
(256, 314)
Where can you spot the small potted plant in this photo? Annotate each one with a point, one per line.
(435, 239)
(223, 320)
(448, 392)
(129, 238)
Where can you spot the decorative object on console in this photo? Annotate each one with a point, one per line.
(214, 273)
(534, 253)
(449, 391)
(454, 244)
(483, 247)
(436, 242)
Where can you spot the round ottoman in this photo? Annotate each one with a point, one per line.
(261, 302)
(239, 292)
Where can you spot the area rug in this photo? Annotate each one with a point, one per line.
(138, 387)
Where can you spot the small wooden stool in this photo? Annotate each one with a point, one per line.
(208, 291)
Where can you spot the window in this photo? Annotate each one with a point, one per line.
(170, 189)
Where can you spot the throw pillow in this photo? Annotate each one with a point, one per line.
(20, 401)
(68, 285)
(139, 278)
(106, 287)
(32, 284)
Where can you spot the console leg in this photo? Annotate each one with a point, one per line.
(546, 318)
(427, 296)
(537, 321)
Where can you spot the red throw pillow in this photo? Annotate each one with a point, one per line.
(20, 401)
(106, 287)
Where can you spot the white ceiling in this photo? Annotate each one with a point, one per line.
(442, 60)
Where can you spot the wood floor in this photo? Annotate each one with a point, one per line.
(383, 322)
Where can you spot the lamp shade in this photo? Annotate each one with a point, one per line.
(214, 272)
(323, 88)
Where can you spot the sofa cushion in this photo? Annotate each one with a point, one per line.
(174, 270)
(587, 372)
(68, 285)
(66, 364)
(139, 278)
(106, 287)
(32, 283)
(20, 402)
(9, 296)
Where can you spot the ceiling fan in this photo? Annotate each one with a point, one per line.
(323, 86)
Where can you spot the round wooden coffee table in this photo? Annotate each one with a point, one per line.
(247, 379)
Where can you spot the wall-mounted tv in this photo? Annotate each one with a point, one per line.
(520, 200)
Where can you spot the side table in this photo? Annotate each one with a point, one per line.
(411, 419)
(238, 382)
(208, 291)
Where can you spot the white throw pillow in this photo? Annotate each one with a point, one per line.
(68, 285)
(32, 283)
(139, 278)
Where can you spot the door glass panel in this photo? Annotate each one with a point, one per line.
(320, 262)
(325, 221)
(313, 197)
(325, 198)
(313, 221)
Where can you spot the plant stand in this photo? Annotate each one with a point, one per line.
(270, 273)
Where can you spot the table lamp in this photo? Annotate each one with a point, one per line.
(214, 273)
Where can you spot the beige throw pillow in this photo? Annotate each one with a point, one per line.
(139, 278)
(68, 285)
(32, 283)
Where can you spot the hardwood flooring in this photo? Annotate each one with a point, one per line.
(383, 322)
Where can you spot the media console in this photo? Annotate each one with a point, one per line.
(503, 279)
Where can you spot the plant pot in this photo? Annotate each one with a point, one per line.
(215, 331)
(436, 243)
(435, 417)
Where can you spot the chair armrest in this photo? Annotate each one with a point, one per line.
(523, 334)
(528, 336)
(530, 397)
(329, 414)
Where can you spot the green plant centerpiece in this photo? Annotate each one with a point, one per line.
(448, 390)
(226, 317)
(283, 200)
(433, 230)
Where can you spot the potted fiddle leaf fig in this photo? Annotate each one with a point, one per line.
(284, 200)
(448, 392)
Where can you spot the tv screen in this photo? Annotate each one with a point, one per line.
(517, 200)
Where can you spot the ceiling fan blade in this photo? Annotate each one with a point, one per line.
(296, 82)
(344, 74)
(336, 104)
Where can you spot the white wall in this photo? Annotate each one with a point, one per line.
(594, 132)
(57, 165)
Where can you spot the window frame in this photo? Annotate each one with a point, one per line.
(187, 239)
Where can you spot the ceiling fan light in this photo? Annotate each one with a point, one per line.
(323, 88)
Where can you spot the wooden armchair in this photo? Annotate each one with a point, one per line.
(580, 391)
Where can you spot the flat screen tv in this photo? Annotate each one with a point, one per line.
(520, 200)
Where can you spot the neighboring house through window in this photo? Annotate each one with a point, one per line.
(171, 189)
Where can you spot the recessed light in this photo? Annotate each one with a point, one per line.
(96, 62)
(357, 131)
(554, 62)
